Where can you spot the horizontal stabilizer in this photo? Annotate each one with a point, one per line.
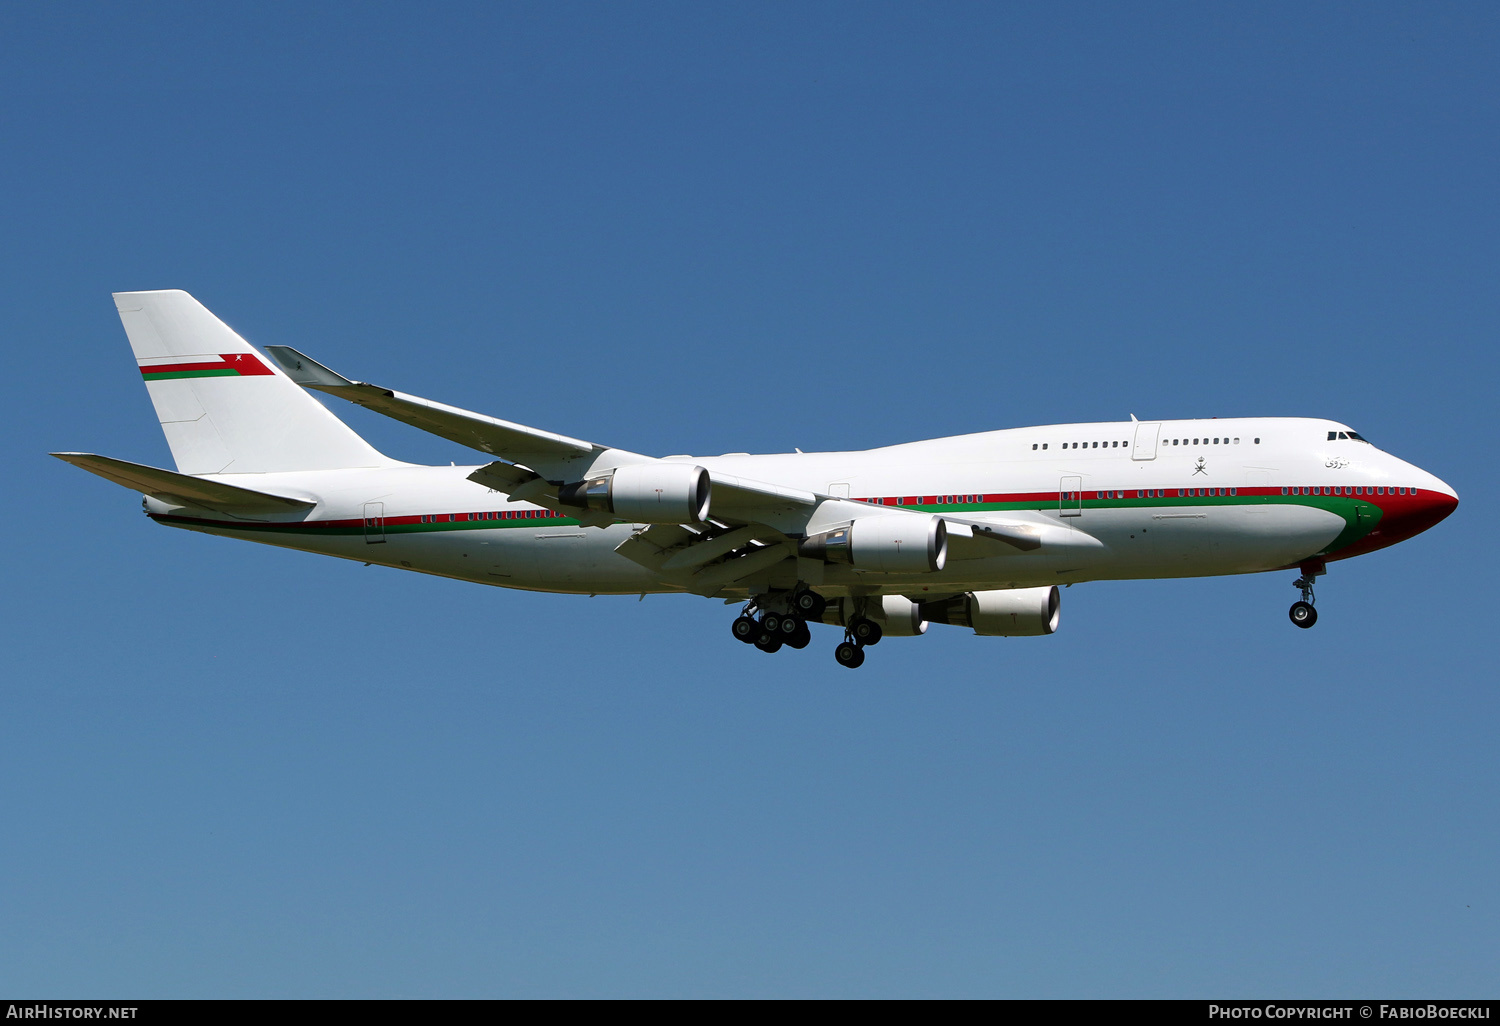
(540, 450)
(180, 489)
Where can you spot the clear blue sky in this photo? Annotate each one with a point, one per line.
(227, 769)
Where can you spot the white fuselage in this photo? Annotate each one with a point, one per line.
(1115, 501)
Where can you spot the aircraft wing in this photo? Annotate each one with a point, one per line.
(550, 454)
(529, 457)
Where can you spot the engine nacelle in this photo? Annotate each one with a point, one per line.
(1014, 613)
(899, 617)
(906, 543)
(645, 493)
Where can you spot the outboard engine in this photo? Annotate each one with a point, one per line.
(899, 617)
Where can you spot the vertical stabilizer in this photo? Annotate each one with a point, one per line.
(224, 407)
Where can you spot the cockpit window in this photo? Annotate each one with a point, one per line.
(1335, 435)
(1358, 437)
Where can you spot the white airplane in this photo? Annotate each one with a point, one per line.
(974, 530)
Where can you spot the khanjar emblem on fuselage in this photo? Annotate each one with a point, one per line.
(1202, 467)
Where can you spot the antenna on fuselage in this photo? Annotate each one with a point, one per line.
(1133, 420)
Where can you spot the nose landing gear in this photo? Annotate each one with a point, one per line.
(1302, 613)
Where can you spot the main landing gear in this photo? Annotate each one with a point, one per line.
(770, 621)
(1302, 613)
(861, 633)
(774, 629)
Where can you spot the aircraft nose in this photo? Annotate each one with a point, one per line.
(1414, 514)
(1443, 503)
(1439, 500)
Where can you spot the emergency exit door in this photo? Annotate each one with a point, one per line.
(1145, 442)
(1070, 496)
(374, 523)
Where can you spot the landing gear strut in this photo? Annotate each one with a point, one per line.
(1302, 613)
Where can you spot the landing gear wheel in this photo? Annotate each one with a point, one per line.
(865, 631)
(849, 654)
(746, 629)
(789, 625)
(768, 642)
(809, 604)
(1303, 614)
(802, 637)
(771, 623)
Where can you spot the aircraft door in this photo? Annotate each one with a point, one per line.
(1145, 441)
(1070, 496)
(374, 523)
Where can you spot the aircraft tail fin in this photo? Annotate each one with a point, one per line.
(224, 408)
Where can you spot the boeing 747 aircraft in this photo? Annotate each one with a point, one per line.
(973, 531)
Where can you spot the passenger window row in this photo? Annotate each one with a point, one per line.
(1206, 440)
(511, 514)
(1347, 490)
(1089, 445)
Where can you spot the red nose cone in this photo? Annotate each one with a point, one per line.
(1402, 517)
(1412, 514)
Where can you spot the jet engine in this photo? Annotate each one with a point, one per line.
(906, 543)
(899, 617)
(1015, 613)
(645, 493)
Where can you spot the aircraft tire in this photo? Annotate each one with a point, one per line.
(768, 643)
(802, 637)
(745, 629)
(865, 631)
(849, 654)
(1303, 614)
(771, 623)
(810, 604)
